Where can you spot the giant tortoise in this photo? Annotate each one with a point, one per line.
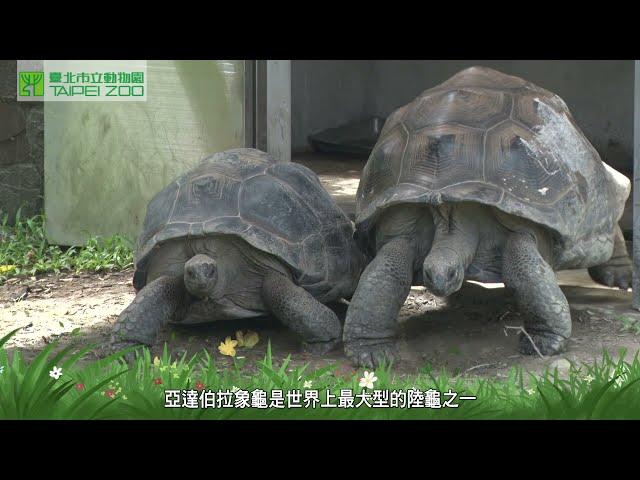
(484, 177)
(239, 236)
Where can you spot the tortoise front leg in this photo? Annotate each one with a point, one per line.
(618, 271)
(155, 305)
(371, 322)
(539, 298)
(316, 323)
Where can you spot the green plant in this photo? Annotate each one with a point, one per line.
(629, 324)
(25, 250)
(111, 389)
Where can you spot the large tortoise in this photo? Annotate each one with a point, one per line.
(484, 177)
(239, 236)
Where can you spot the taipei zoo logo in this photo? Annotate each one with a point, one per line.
(31, 84)
(93, 80)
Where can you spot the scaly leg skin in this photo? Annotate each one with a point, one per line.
(618, 271)
(154, 306)
(539, 298)
(371, 321)
(317, 324)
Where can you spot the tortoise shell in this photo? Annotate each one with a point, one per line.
(487, 137)
(279, 208)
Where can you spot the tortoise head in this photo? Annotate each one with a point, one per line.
(443, 272)
(201, 275)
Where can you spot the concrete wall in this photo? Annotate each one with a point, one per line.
(21, 148)
(599, 94)
(105, 160)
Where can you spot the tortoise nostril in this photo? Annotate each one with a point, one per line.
(211, 270)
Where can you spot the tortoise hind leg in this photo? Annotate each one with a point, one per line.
(539, 298)
(154, 306)
(316, 323)
(618, 271)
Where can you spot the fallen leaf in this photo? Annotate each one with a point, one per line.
(251, 339)
(228, 347)
(248, 340)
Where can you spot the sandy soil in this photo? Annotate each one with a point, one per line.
(465, 333)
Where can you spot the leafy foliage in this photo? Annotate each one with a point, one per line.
(24, 250)
(111, 389)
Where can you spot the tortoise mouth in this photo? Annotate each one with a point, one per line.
(442, 280)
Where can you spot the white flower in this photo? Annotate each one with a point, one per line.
(530, 391)
(234, 389)
(589, 378)
(307, 384)
(55, 373)
(1, 369)
(368, 380)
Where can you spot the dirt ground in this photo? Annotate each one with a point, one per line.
(465, 333)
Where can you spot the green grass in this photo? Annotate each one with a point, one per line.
(24, 250)
(111, 389)
(629, 324)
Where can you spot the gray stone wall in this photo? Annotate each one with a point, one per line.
(21, 148)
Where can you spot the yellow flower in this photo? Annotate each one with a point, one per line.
(228, 347)
(156, 362)
(7, 268)
(248, 340)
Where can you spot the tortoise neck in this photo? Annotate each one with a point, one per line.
(456, 232)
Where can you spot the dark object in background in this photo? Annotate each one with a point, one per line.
(356, 139)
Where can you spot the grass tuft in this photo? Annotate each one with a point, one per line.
(24, 250)
(111, 389)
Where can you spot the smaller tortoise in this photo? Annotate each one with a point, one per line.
(485, 177)
(240, 236)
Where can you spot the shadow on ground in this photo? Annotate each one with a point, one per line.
(464, 333)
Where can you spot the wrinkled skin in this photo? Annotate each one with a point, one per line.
(443, 246)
